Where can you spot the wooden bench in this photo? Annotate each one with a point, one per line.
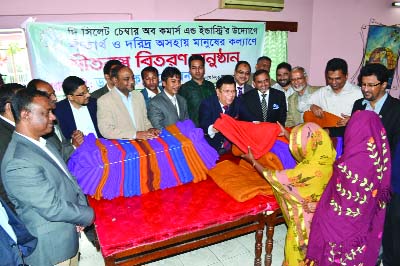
(137, 230)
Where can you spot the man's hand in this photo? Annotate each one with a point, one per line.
(145, 135)
(317, 111)
(155, 132)
(77, 138)
(343, 122)
(79, 228)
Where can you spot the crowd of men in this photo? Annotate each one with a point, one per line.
(38, 135)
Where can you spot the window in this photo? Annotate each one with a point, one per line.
(14, 62)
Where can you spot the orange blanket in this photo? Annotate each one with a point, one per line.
(242, 182)
(329, 119)
(260, 137)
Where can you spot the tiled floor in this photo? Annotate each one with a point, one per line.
(235, 252)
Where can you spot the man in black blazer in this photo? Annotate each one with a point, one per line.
(211, 108)
(373, 80)
(251, 103)
(84, 113)
(7, 126)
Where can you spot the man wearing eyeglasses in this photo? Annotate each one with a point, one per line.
(373, 80)
(77, 112)
(242, 76)
(298, 102)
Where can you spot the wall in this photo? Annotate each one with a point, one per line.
(336, 31)
(326, 28)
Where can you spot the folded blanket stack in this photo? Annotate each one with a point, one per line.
(112, 168)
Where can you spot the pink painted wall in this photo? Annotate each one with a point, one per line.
(326, 28)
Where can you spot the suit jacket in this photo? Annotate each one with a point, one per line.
(390, 117)
(162, 111)
(113, 117)
(100, 92)
(6, 131)
(209, 111)
(250, 107)
(10, 253)
(48, 201)
(146, 95)
(247, 88)
(63, 146)
(64, 115)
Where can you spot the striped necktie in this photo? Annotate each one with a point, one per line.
(264, 107)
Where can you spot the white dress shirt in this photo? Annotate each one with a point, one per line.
(83, 120)
(337, 103)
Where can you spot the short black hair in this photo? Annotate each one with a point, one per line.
(227, 79)
(7, 92)
(284, 65)
(264, 57)
(149, 69)
(378, 70)
(259, 72)
(336, 64)
(71, 84)
(170, 72)
(109, 64)
(196, 57)
(33, 84)
(240, 63)
(114, 71)
(22, 101)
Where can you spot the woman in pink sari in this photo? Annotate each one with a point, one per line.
(348, 222)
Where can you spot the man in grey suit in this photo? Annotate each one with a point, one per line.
(47, 198)
(65, 147)
(168, 107)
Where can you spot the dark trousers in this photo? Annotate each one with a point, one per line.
(391, 233)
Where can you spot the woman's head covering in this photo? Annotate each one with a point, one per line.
(315, 154)
(351, 212)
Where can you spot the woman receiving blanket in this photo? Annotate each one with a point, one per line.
(299, 189)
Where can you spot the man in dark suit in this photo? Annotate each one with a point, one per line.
(264, 104)
(77, 113)
(373, 80)
(15, 240)
(46, 196)
(211, 108)
(168, 107)
(242, 76)
(109, 83)
(7, 126)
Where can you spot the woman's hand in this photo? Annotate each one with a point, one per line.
(248, 157)
(284, 132)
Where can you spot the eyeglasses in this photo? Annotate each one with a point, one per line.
(82, 94)
(369, 85)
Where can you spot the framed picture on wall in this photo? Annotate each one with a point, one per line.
(383, 47)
